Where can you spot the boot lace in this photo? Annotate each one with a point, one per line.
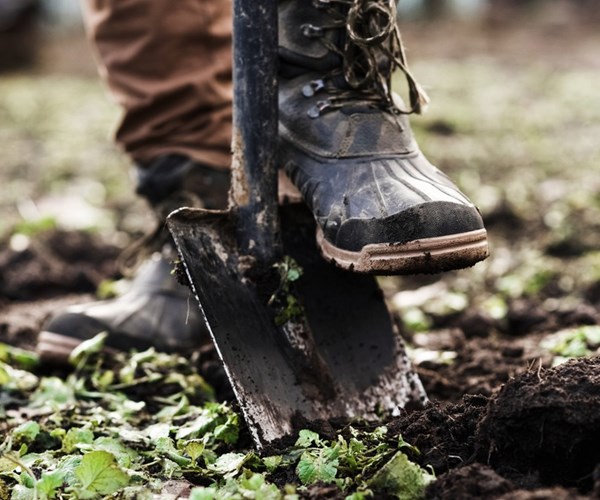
(372, 52)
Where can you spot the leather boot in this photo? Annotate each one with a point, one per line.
(156, 311)
(345, 142)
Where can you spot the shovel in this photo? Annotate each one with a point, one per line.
(300, 340)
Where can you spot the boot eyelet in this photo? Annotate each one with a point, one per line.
(311, 31)
(312, 88)
(313, 112)
(318, 108)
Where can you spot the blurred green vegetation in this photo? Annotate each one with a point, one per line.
(518, 134)
(521, 140)
(55, 132)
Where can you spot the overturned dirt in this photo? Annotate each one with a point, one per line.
(546, 424)
(55, 263)
(538, 437)
(55, 269)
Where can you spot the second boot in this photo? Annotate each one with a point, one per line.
(156, 311)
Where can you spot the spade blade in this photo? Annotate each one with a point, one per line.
(340, 358)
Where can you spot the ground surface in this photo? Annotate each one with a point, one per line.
(515, 120)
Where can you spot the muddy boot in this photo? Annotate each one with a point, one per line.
(156, 311)
(346, 143)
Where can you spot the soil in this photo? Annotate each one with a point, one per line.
(500, 425)
(56, 269)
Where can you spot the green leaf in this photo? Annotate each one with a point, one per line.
(33, 460)
(98, 473)
(592, 334)
(401, 479)
(4, 376)
(31, 227)
(21, 492)
(87, 347)
(203, 493)
(12, 379)
(52, 392)
(19, 357)
(103, 380)
(75, 437)
(7, 465)
(307, 438)
(318, 465)
(68, 465)
(168, 412)
(50, 482)
(166, 448)
(229, 431)
(155, 431)
(271, 463)
(27, 480)
(211, 416)
(229, 463)
(294, 274)
(109, 289)
(289, 270)
(127, 374)
(573, 342)
(254, 485)
(290, 492)
(380, 432)
(292, 309)
(415, 320)
(198, 427)
(194, 448)
(27, 432)
(125, 455)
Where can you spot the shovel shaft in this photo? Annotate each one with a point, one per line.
(254, 172)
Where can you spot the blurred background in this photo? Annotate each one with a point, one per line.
(506, 76)
(514, 119)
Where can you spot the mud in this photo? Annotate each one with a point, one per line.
(56, 269)
(546, 424)
(56, 263)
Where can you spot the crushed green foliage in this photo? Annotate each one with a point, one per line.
(121, 426)
(283, 299)
(573, 343)
(109, 289)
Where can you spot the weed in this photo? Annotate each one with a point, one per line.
(126, 424)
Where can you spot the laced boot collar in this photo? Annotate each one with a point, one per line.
(371, 51)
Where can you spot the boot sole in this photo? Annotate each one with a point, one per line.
(428, 256)
(54, 348)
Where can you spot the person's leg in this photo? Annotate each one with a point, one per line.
(345, 141)
(168, 65)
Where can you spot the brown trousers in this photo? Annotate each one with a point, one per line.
(168, 64)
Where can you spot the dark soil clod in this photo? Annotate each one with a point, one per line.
(547, 423)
